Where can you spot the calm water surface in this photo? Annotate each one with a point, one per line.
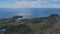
(1, 31)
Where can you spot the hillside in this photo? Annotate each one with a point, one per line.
(42, 25)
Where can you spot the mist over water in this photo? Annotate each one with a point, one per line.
(28, 12)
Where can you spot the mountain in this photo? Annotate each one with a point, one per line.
(42, 25)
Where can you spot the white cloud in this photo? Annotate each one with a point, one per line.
(28, 3)
(56, 0)
(23, 4)
(33, 4)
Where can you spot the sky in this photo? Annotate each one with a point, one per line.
(29, 3)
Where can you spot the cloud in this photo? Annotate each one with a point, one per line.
(30, 4)
(21, 4)
(56, 0)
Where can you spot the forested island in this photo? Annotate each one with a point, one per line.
(41, 25)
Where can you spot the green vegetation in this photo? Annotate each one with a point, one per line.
(17, 29)
(42, 25)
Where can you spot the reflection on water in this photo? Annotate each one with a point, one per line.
(2, 30)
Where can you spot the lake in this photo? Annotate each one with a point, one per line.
(2, 30)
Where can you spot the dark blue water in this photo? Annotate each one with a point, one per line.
(28, 12)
